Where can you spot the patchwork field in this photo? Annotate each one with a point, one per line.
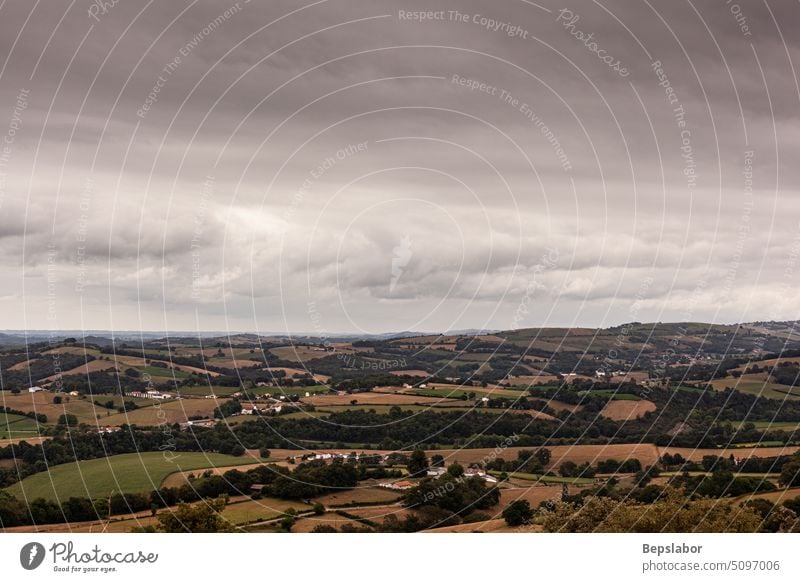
(163, 412)
(130, 473)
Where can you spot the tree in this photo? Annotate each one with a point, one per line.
(790, 473)
(202, 517)
(543, 456)
(568, 469)
(57, 399)
(673, 512)
(518, 513)
(418, 463)
(437, 461)
(67, 420)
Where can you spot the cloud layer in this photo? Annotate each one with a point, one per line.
(381, 166)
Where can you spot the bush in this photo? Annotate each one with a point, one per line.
(518, 513)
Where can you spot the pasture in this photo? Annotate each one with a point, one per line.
(129, 473)
(17, 426)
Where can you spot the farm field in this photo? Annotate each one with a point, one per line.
(769, 425)
(612, 393)
(129, 473)
(31, 440)
(455, 392)
(363, 398)
(546, 478)
(434, 405)
(17, 426)
(179, 478)
(302, 354)
(627, 409)
(206, 390)
(82, 370)
(165, 411)
(647, 453)
(743, 453)
(533, 494)
(330, 518)
(757, 385)
(360, 496)
(260, 509)
(42, 403)
(489, 526)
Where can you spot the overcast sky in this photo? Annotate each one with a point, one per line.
(339, 166)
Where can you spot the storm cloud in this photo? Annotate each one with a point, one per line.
(343, 166)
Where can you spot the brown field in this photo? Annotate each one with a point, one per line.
(42, 403)
(558, 406)
(533, 495)
(532, 380)
(21, 365)
(627, 409)
(770, 362)
(773, 496)
(630, 376)
(321, 378)
(378, 513)
(301, 354)
(489, 526)
(169, 411)
(182, 477)
(646, 453)
(358, 496)
(698, 454)
(34, 440)
(93, 366)
(233, 364)
(306, 524)
(191, 369)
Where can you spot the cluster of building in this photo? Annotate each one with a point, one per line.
(151, 395)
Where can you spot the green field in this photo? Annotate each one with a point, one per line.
(15, 426)
(769, 425)
(130, 473)
(758, 388)
(759, 444)
(546, 478)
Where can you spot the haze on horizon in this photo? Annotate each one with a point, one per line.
(339, 167)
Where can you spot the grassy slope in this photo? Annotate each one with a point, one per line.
(129, 473)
